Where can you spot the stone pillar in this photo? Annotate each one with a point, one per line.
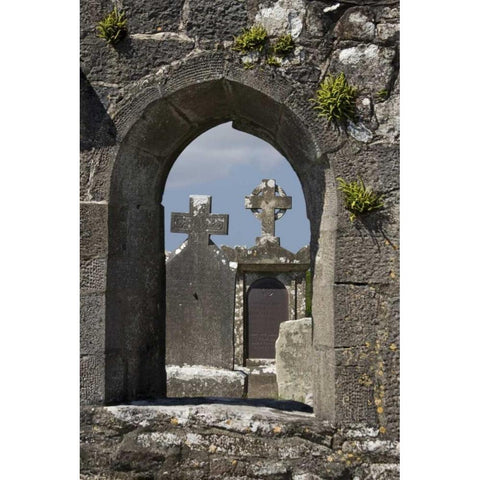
(93, 274)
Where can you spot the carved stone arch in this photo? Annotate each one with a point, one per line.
(158, 120)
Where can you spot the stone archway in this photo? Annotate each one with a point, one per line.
(159, 119)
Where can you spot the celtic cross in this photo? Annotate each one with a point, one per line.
(268, 207)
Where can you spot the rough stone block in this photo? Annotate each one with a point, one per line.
(270, 83)
(93, 230)
(357, 23)
(388, 14)
(135, 275)
(354, 400)
(388, 117)
(254, 107)
(132, 320)
(367, 67)
(143, 327)
(356, 314)
(95, 172)
(365, 259)
(146, 379)
(135, 176)
(132, 58)
(282, 17)
(143, 226)
(202, 101)
(155, 132)
(317, 22)
(294, 360)
(92, 324)
(318, 133)
(197, 381)
(85, 165)
(96, 127)
(295, 140)
(216, 19)
(151, 16)
(92, 379)
(92, 12)
(388, 33)
(115, 376)
(93, 275)
(380, 471)
(262, 385)
(378, 165)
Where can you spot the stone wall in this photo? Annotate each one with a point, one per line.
(174, 77)
(228, 442)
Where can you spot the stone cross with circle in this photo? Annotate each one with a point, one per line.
(267, 206)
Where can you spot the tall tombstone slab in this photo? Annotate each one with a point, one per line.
(200, 291)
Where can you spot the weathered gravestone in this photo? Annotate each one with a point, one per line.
(200, 291)
(294, 360)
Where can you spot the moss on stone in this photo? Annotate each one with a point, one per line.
(251, 39)
(273, 61)
(284, 45)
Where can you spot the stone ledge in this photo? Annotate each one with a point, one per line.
(197, 380)
(233, 439)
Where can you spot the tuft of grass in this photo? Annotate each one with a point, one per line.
(273, 61)
(358, 199)
(251, 39)
(284, 45)
(113, 27)
(382, 94)
(248, 65)
(335, 99)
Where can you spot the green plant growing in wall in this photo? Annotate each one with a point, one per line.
(248, 65)
(358, 199)
(335, 99)
(283, 46)
(113, 27)
(251, 39)
(273, 61)
(382, 94)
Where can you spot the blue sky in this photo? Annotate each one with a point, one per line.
(228, 164)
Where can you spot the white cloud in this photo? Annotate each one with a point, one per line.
(212, 156)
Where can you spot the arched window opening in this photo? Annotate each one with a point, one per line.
(224, 302)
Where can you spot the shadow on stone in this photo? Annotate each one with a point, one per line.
(374, 225)
(285, 405)
(125, 47)
(96, 127)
